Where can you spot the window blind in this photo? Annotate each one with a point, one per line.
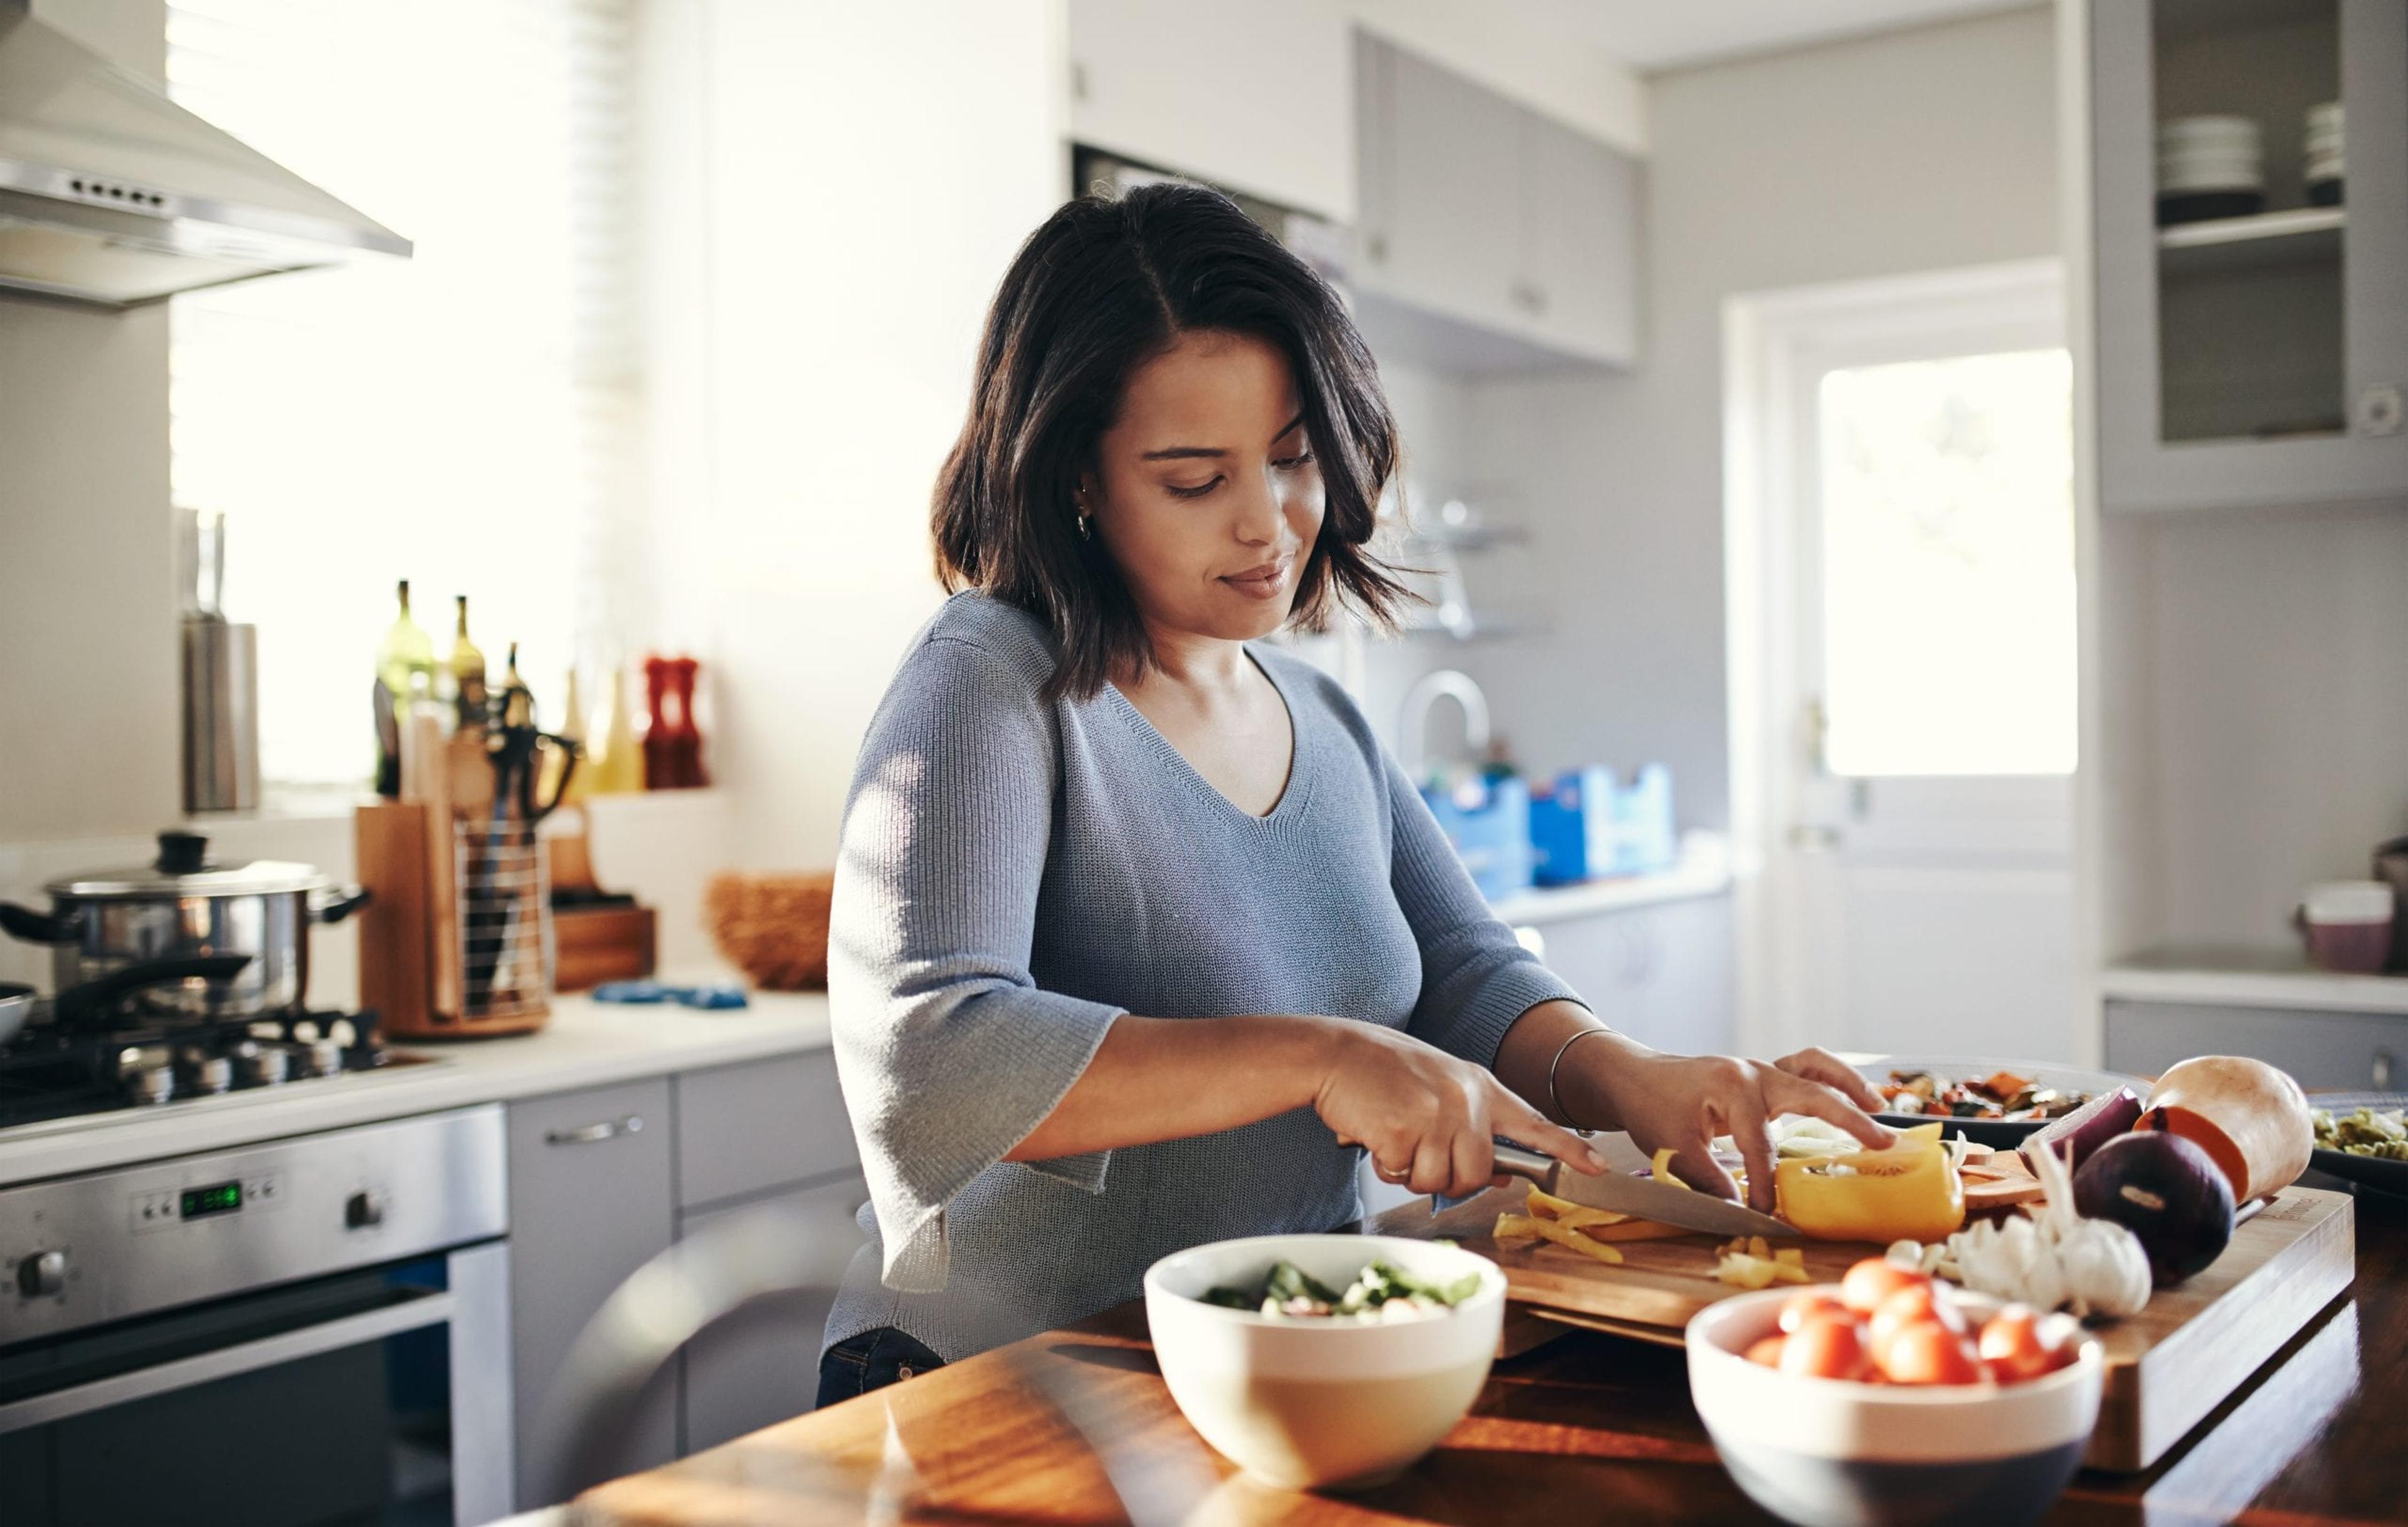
(468, 419)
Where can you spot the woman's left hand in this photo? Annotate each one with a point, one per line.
(1685, 1101)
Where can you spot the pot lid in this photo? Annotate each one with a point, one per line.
(184, 867)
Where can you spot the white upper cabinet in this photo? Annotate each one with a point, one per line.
(1580, 218)
(1482, 213)
(2257, 357)
(1249, 94)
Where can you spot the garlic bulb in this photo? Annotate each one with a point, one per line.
(2096, 1266)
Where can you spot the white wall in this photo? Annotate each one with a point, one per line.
(2268, 675)
(88, 739)
(1911, 151)
(842, 187)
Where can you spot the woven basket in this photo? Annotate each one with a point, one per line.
(772, 927)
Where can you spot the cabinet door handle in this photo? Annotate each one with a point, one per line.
(590, 1134)
(2381, 1074)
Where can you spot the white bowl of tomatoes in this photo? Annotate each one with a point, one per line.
(1892, 1399)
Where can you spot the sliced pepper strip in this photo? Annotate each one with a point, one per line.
(1545, 1205)
(1523, 1227)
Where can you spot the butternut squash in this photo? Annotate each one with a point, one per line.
(2250, 1118)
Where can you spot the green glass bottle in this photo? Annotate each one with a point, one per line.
(406, 657)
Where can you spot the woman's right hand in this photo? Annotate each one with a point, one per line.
(1426, 1118)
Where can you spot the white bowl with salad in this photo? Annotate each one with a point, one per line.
(1324, 1361)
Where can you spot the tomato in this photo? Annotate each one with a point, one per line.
(1916, 1302)
(2015, 1350)
(1767, 1351)
(1808, 1303)
(1872, 1280)
(1825, 1347)
(1928, 1352)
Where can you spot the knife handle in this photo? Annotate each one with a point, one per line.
(1516, 1161)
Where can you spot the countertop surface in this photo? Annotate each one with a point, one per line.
(1589, 1427)
(1703, 869)
(587, 1044)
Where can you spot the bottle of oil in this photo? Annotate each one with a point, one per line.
(406, 657)
(467, 666)
(405, 669)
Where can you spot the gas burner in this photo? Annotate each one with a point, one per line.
(141, 1063)
(261, 1065)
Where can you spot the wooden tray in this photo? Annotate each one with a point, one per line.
(2167, 1367)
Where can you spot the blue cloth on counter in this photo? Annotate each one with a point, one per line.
(1015, 875)
(718, 995)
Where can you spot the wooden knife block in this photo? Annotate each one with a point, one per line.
(416, 965)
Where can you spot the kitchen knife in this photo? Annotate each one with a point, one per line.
(1643, 1198)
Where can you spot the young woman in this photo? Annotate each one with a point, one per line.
(1141, 938)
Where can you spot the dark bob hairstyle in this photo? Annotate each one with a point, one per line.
(1099, 289)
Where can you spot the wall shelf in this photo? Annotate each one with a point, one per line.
(2249, 978)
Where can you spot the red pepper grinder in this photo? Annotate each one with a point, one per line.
(660, 748)
(687, 737)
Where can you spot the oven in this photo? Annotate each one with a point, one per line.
(307, 1332)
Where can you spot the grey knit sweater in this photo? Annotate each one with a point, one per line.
(1013, 877)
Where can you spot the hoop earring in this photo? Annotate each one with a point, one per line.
(1084, 533)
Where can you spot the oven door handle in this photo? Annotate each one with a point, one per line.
(430, 1308)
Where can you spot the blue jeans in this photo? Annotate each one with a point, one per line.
(871, 1360)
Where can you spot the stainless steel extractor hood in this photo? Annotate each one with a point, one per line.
(112, 193)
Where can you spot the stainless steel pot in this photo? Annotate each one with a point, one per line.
(186, 904)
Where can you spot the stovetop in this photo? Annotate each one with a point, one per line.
(143, 1062)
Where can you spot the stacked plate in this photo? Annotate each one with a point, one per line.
(2323, 154)
(2209, 167)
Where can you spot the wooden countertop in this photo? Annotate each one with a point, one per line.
(1589, 1427)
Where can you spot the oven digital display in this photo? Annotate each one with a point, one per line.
(219, 1198)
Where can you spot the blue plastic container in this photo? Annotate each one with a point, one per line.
(1587, 825)
(1488, 822)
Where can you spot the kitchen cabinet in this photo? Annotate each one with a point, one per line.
(2257, 360)
(761, 1365)
(2329, 1051)
(1151, 80)
(602, 1180)
(592, 1198)
(1481, 213)
(1659, 973)
(744, 1129)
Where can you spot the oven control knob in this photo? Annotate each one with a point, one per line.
(42, 1275)
(363, 1209)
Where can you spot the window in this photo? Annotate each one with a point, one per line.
(1947, 562)
(468, 420)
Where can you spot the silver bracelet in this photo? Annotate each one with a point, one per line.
(1556, 1064)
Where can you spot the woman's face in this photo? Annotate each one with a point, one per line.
(1206, 493)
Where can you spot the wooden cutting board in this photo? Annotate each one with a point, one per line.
(2167, 1367)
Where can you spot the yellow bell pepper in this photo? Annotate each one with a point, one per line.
(1909, 1192)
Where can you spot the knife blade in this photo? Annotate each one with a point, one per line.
(1643, 1198)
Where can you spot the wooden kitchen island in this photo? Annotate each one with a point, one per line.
(1587, 1428)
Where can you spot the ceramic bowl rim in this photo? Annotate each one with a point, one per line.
(2089, 1354)
(1491, 1289)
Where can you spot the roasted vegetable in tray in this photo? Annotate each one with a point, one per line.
(2001, 1095)
(2366, 1132)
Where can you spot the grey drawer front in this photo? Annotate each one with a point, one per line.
(761, 1365)
(749, 1128)
(589, 1205)
(2331, 1051)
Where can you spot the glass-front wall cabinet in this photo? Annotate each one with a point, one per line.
(2250, 186)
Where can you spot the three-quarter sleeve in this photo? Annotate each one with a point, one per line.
(949, 1053)
(1476, 978)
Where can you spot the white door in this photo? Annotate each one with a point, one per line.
(1909, 664)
